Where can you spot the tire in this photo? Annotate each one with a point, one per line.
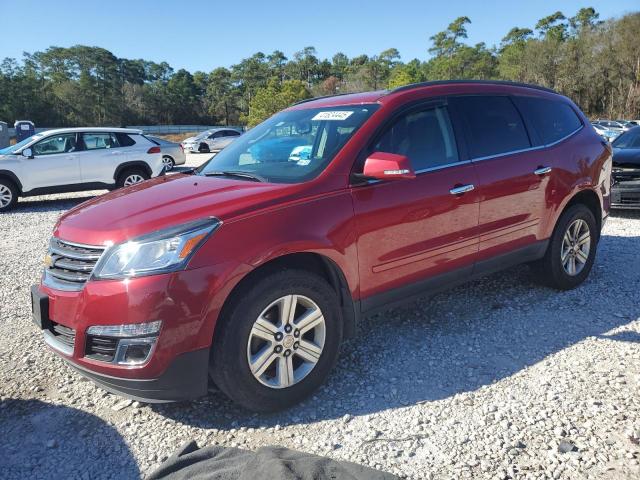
(8, 195)
(235, 341)
(551, 270)
(203, 148)
(168, 162)
(125, 177)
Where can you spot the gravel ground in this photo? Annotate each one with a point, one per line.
(499, 378)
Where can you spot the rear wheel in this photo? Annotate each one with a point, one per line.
(8, 195)
(131, 177)
(278, 341)
(571, 250)
(168, 163)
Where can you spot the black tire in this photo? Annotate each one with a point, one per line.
(7, 189)
(122, 178)
(229, 364)
(203, 148)
(550, 270)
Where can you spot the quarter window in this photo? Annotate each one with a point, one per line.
(425, 136)
(492, 125)
(552, 120)
(63, 143)
(98, 141)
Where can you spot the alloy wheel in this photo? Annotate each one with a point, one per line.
(133, 179)
(5, 196)
(168, 163)
(286, 341)
(576, 246)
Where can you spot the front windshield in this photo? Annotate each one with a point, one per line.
(19, 145)
(292, 146)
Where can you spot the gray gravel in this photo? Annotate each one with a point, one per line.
(499, 378)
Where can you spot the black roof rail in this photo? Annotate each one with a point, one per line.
(334, 95)
(480, 82)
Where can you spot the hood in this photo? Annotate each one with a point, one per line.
(164, 202)
(626, 157)
(189, 140)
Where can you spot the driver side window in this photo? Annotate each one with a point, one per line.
(425, 136)
(64, 143)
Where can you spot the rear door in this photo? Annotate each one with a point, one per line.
(55, 162)
(413, 230)
(102, 154)
(514, 177)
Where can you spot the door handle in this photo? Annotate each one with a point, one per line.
(461, 189)
(542, 170)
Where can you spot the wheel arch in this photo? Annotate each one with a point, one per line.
(591, 200)
(130, 165)
(317, 263)
(9, 175)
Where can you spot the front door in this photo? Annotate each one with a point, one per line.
(54, 162)
(413, 230)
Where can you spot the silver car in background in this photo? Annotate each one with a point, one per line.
(172, 153)
(210, 141)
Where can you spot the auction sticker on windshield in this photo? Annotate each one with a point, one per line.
(333, 115)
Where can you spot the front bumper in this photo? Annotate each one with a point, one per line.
(625, 194)
(177, 368)
(186, 378)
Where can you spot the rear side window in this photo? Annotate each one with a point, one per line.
(492, 125)
(425, 136)
(125, 140)
(98, 141)
(551, 119)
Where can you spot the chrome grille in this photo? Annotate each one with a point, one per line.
(101, 348)
(70, 264)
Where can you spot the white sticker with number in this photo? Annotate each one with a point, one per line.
(334, 115)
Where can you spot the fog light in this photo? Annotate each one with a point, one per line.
(134, 351)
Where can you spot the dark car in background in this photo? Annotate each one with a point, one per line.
(625, 192)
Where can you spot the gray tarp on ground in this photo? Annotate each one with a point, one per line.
(219, 463)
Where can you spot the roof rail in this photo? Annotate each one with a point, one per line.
(329, 96)
(481, 82)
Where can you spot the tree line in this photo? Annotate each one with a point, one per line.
(594, 62)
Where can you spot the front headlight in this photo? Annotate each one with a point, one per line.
(160, 252)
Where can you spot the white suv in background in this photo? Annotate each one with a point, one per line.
(76, 159)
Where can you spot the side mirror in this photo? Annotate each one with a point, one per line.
(388, 166)
(27, 153)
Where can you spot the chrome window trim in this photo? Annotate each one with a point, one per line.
(530, 149)
(440, 167)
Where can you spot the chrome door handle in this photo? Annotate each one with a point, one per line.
(542, 170)
(462, 189)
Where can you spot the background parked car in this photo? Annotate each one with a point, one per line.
(210, 141)
(76, 159)
(609, 135)
(172, 153)
(613, 125)
(625, 192)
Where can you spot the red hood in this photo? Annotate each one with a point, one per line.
(164, 202)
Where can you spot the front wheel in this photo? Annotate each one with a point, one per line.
(571, 251)
(278, 341)
(8, 195)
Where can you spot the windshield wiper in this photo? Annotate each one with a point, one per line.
(243, 175)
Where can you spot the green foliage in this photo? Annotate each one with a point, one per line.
(595, 62)
(275, 97)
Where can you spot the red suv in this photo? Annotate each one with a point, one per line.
(251, 270)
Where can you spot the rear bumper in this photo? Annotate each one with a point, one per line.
(186, 378)
(625, 194)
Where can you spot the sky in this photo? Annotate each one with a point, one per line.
(202, 35)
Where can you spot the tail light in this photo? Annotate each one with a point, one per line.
(154, 150)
